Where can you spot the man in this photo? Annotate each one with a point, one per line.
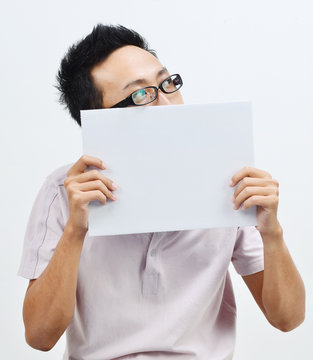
(152, 295)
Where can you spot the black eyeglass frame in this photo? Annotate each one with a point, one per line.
(129, 100)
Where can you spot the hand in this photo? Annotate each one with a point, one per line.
(83, 187)
(257, 187)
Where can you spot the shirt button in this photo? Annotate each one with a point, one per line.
(153, 252)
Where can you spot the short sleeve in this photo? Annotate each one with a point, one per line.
(248, 254)
(44, 229)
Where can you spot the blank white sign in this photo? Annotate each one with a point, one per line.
(172, 164)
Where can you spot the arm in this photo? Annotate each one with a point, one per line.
(50, 300)
(278, 290)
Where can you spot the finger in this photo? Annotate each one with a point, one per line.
(248, 181)
(96, 175)
(83, 162)
(96, 185)
(250, 191)
(251, 172)
(269, 201)
(88, 196)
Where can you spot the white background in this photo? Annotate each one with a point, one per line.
(225, 50)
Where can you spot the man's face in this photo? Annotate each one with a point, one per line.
(128, 69)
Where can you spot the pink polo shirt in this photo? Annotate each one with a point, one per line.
(162, 295)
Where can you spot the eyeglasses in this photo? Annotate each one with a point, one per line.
(148, 94)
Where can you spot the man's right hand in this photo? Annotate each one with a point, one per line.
(83, 187)
(50, 300)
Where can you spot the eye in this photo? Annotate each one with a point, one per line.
(176, 81)
(139, 95)
(167, 83)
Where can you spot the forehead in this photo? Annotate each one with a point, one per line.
(125, 64)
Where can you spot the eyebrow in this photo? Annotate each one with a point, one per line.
(144, 81)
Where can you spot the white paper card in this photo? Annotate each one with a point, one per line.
(172, 164)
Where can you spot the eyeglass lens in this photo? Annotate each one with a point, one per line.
(172, 83)
(148, 94)
(143, 96)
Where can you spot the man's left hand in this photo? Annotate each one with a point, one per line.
(257, 187)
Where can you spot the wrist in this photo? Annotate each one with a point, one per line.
(273, 238)
(74, 231)
(272, 230)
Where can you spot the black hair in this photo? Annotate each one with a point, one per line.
(74, 81)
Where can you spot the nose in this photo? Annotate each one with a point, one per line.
(162, 99)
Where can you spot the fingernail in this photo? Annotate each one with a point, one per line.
(233, 199)
(114, 186)
(114, 197)
(234, 207)
(103, 165)
(231, 183)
